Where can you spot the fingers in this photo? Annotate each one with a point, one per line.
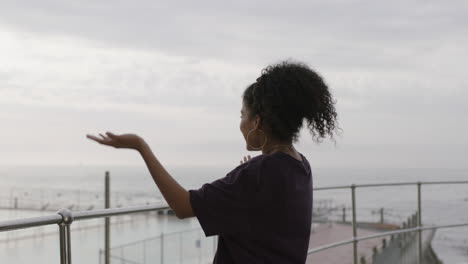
(107, 136)
(246, 158)
(111, 135)
(102, 140)
(93, 137)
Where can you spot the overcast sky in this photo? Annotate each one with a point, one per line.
(173, 72)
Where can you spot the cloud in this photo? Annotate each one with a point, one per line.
(55, 70)
(210, 29)
(177, 70)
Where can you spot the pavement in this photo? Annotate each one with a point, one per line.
(327, 233)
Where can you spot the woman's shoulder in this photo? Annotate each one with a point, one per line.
(253, 163)
(273, 162)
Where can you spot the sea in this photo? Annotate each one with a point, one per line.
(82, 186)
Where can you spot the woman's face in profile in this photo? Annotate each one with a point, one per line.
(247, 125)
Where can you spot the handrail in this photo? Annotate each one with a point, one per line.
(30, 222)
(382, 234)
(65, 217)
(154, 238)
(388, 184)
(355, 239)
(80, 215)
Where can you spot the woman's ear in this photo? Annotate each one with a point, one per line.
(257, 122)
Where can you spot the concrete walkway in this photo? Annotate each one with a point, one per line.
(323, 234)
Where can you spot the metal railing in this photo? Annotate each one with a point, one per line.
(64, 218)
(355, 239)
(140, 246)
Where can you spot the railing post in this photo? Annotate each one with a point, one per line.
(181, 248)
(144, 252)
(355, 242)
(162, 248)
(107, 220)
(344, 214)
(199, 247)
(419, 225)
(79, 200)
(382, 215)
(214, 245)
(64, 228)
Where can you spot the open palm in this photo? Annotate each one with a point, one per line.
(130, 141)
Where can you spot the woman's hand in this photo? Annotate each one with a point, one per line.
(176, 196)
(246, 158)
(130, 141)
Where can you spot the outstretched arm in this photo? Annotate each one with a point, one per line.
(176, 196)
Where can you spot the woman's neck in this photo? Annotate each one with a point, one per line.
(276, 146)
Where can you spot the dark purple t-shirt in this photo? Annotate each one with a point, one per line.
(261, 210)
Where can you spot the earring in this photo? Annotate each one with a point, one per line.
(256, 148)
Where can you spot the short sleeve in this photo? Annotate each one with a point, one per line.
(224, 206)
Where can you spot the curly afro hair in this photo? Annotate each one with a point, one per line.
(285, 94)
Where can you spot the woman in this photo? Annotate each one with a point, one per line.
(262, 209)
